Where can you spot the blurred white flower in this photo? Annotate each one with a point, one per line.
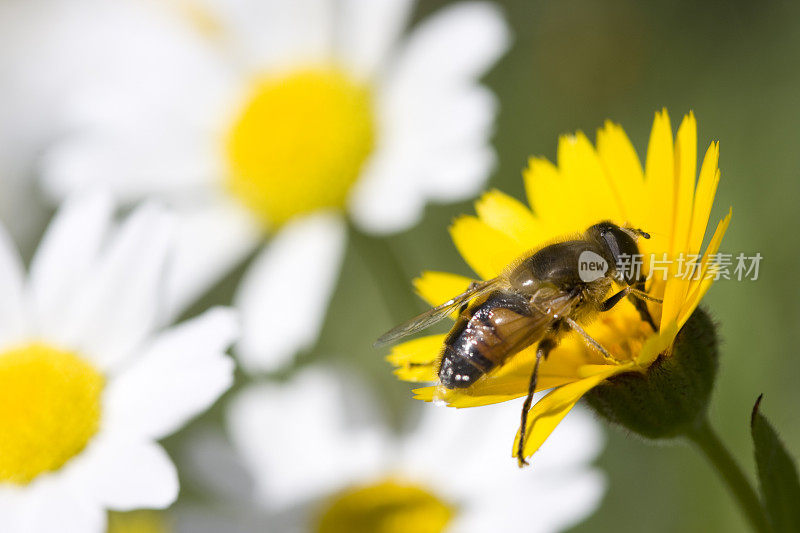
(28, 97)
(454, 470)
(255, 116)
(88, 380)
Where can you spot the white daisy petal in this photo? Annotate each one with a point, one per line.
(433, 452)
(276, 33)
(112, 61)
(387, 199)
(369, 29)
(124, 474)
(210, 240)
(456, 45)
(287, 289)
(145, 98)
(550, 504)
(57, 507)
(119, 306)
(179, 375)
(66, 254)
(147, 160)
(12, 501)
(428, 121)
(459, 174)
(12, 306)
(291, 466)
(434, 146)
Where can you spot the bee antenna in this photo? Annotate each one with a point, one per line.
(636, 232)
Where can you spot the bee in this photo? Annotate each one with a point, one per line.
(537, 299)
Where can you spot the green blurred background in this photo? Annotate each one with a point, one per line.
(574, 64)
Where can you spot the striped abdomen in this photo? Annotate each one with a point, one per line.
(486, 335)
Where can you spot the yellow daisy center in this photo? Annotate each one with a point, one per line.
(49, 409)
(385, 507)
(299, 143)
(621, 331)
(137, 522)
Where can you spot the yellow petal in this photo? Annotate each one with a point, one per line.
(457, 399)
(416, 360)
(685, 169)
(701, 286)
(586, 183)
(704, 198)
(550, 410)
(656, 345)
(416, 373)
(512, 217)
(675, 292)
(544, 188)
(438, 287)
(624, 169)
(486, 250)
(660, 183)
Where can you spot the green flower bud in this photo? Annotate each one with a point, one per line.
(673, 394)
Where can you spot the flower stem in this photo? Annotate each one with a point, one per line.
(718, 455)
(388, 274)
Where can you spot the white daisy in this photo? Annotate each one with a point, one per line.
(453, 473)
(267, 115)
(88, 383)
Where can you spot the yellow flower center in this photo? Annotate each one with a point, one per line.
(299, 144)
(385, 507)
(137, 522)
(621, 331)
(49, 409)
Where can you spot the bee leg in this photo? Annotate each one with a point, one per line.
(641, 305)
(638, 298)
(613, 300)
(545, 345)
(590, 340)
(643, 296)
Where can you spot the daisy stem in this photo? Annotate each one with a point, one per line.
(718, 455)
(388, 273)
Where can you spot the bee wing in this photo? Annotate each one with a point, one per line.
(432, 316)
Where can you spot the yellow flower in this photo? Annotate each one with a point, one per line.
(589, 184)
(144, 521)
